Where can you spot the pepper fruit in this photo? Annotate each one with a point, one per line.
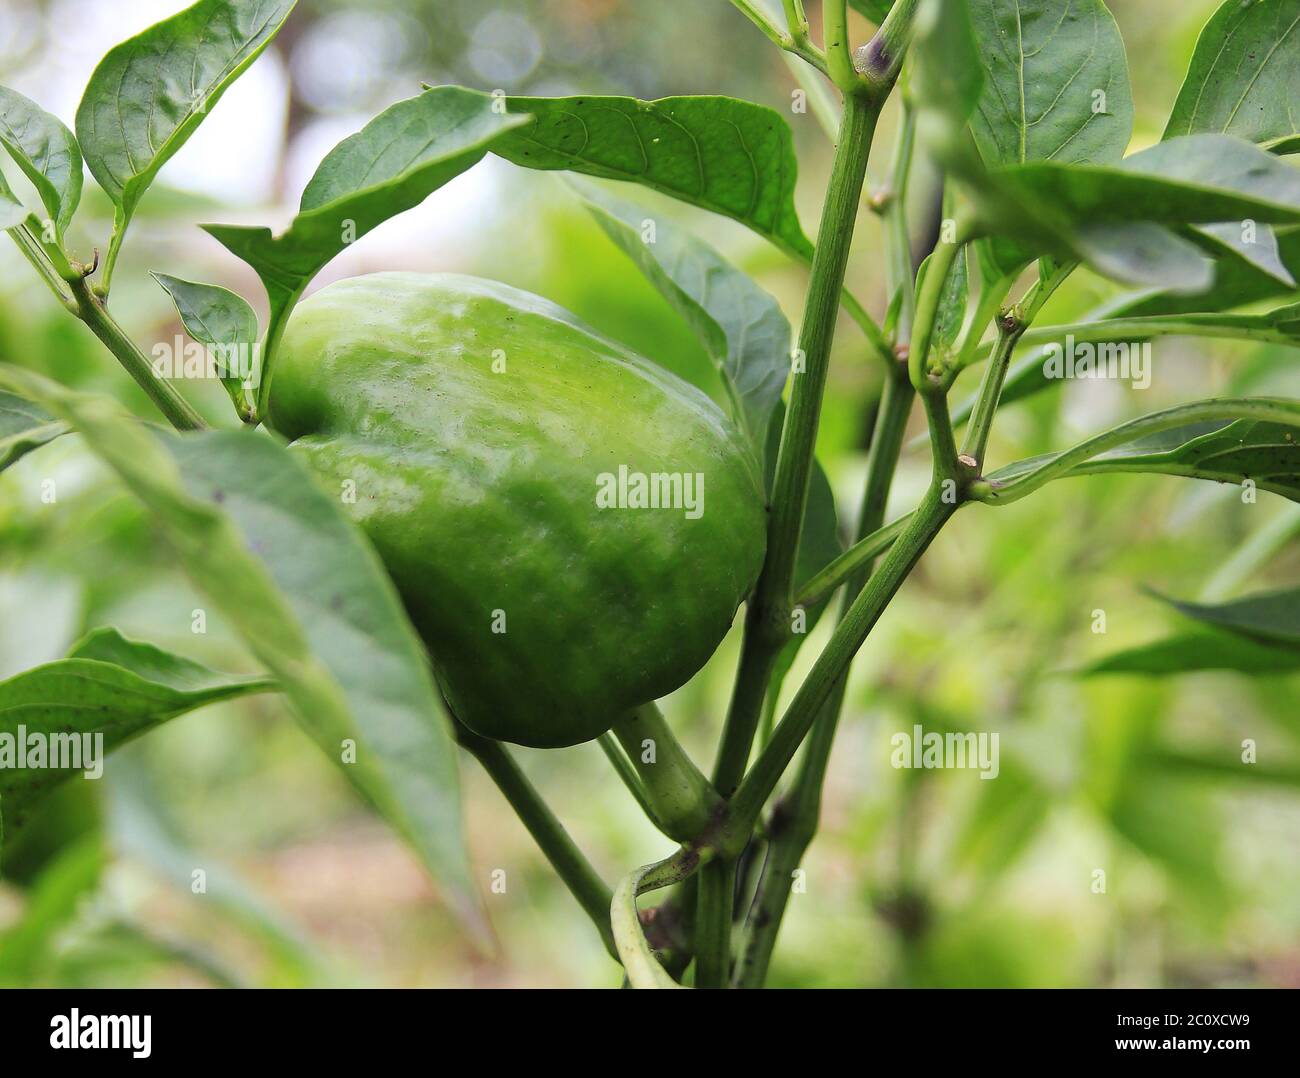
(497, 451)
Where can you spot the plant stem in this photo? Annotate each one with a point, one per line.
(927, 305)
(835, 40)
(794, 821)
(899, 273)
(32, 252)
(680, 797)
(1010, 329)
(643, 969)
(796, 43)
(178, 411)
(799, 435)
(551, 837)
(831, 665)
(627, 773)
(713, 923)
(862, 553)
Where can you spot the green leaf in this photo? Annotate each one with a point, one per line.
(1140, 252)
(108, 685)
(949, 72)
(393, 163)
(1244, 77)
(45, 151)
(150, 93)
(280, 561)
(1269, 617)
(1195, 179)
(1046, 62)
(1260, 250)
(1266, 453)
(52, 904)
(951, 312)
(12, 212)
(740, 325)
(1239, 278)
(222, 322)
(719, 153)
(1196, 651)
(1197, 440)
(24, 426)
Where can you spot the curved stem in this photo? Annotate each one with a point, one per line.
(547, 831)
(643, 969)
(679, 796)
(179, 412)
(1265, 409)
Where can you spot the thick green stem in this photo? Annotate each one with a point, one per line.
(799, 435)
(179, 412)
(681, 800)
(794, 822)
(831, 665)
(767, 624)
(713, 924)
(551, 837)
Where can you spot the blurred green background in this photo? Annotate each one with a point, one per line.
(917, 878)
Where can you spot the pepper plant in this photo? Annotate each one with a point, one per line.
(330, 516)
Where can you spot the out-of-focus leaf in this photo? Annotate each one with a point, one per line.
(308, 595)
(24, 426)
(1260, 251)
(1193, 651)
(741, 326)
(1270, 617)
(26, 948)
(108, 687)
(141, 829)
(1244, 77)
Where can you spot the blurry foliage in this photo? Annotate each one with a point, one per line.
(917, 878)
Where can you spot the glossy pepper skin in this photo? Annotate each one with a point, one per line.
(478, 486)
